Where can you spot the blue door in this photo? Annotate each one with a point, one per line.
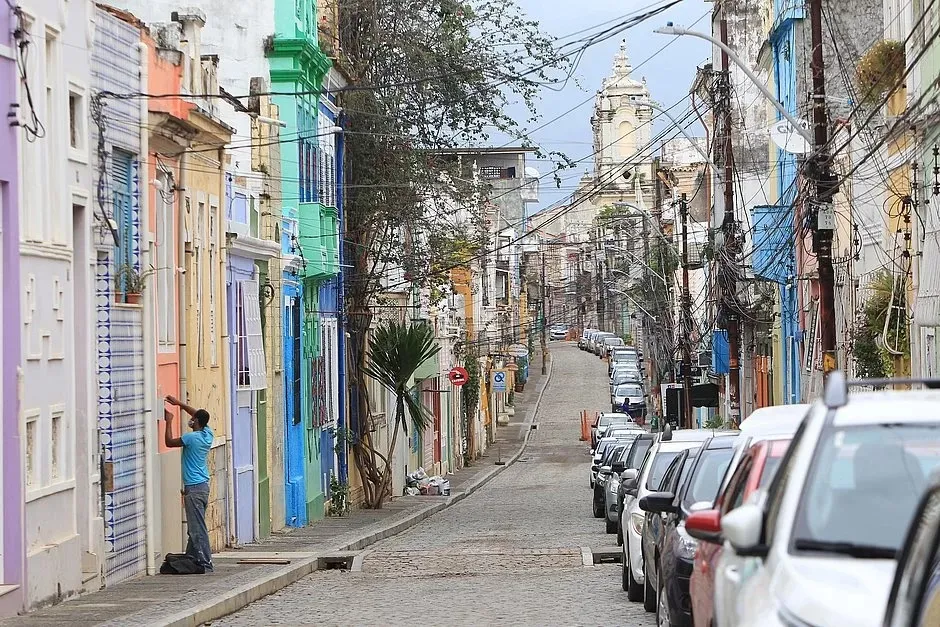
(295, 485)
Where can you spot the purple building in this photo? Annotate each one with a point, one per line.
(12, 551)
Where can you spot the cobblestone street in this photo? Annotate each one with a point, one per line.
(510, 553)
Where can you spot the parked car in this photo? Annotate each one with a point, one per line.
(606, 470)
(623, 375)
(833, 518)
(598, 341)
(754, 471)
(915, 594)
(604, 421)
(633, 461)
(667, 446)
(593, 338)
(626, 397)
(654, 526)
(583, 340)
(672, 550)
(623, 357)
(617, 433)
(608, 344)
(558, 332)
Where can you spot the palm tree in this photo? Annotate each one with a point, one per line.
(396, 351)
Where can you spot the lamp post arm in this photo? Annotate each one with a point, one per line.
(676, 30)
(691, 139)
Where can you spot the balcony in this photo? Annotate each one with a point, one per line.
(319, 240)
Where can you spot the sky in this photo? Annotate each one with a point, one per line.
(668, 73)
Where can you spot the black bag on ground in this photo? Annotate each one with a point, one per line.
(180, 564)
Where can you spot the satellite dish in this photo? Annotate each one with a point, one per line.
(789, 139)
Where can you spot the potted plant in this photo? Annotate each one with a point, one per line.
(129, 282)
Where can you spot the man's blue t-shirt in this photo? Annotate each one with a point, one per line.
(196, 447)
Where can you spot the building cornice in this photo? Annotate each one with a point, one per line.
(254, 247)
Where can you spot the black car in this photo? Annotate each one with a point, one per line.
(613, 452)
(665, 540)
(633, 460)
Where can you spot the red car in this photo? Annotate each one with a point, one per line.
(755, 470)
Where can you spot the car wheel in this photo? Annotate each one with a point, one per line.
(624, 572)
(662, 607)
(649, 592)
(598, 508)
(611, 527)
(635, 591)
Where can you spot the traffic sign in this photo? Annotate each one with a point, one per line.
(518, 350)
(499, 381)
(458, 376)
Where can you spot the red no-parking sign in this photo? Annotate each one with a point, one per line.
(458, 376)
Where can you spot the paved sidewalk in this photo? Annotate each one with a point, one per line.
(192, 600)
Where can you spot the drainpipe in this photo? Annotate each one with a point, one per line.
(343, 468)
(151, 403)
(182, 304)
(227, 398)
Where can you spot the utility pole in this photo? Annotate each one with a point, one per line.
(686, 319)
(729, 228)
(542, 312)
(826, 187)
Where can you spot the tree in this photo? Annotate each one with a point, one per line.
(396, 351)
(425, 76)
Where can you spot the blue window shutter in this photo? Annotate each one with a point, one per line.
(122, 209)
(720, 352)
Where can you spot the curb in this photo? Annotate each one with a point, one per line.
(256, 590)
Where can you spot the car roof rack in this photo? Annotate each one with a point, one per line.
(836, 394)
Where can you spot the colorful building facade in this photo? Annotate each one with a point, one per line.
(12, 563)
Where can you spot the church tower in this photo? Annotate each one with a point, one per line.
(622, 127)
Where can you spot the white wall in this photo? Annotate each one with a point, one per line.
(55, 408)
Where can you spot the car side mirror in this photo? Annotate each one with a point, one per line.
(618, 468)
(742, 527)
(658, 503)
(605, 470)
(705, 525)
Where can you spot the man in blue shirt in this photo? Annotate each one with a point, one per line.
(195, 447)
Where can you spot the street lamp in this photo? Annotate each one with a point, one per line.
(691, 139)
(653, 272)
(632, 300)
(669, 29)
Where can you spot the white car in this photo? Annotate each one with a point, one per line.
(639, 483)
(818, 547)
(629, 393)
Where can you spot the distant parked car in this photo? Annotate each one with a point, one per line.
(558, 333)
(606, 420)
(608, 344)
(606, 471)
(627, 397)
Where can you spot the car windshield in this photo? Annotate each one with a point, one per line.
(863, 487)
(704, 484)
(613, 341)
(638, 452)
(628, 390)
(660, 465)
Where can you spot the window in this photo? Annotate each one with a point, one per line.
(241, 339)
(734, 495)
(57, 445)
(53, 222)
(250, 320)
(660, 464)
(213, 286)
(31, 462)
(199, 284)
(254, 215)
(707, 478)
(121, 208)
(76, 121)
(166, 260)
